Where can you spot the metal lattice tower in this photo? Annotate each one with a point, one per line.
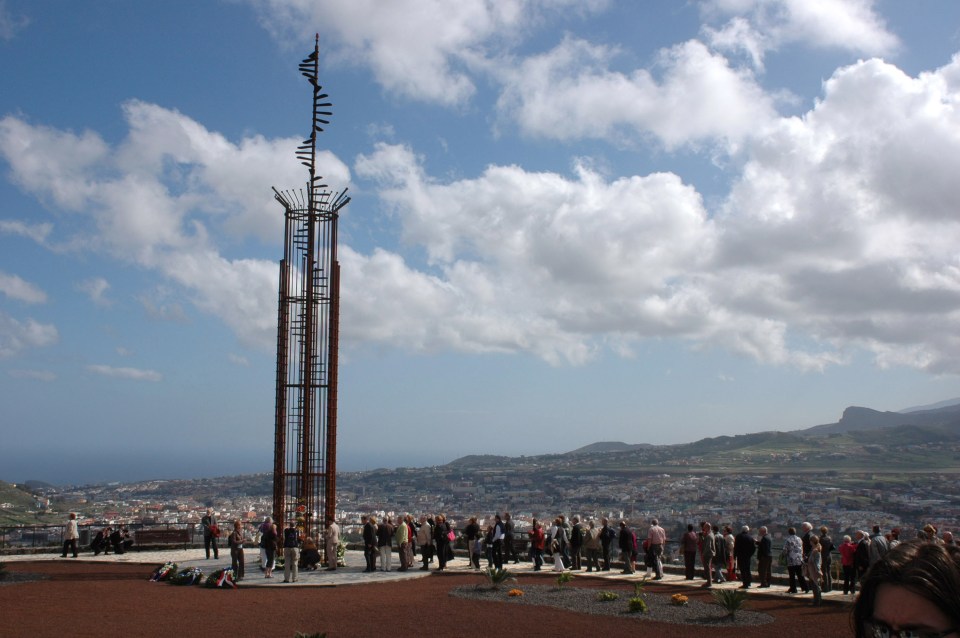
(305, 446)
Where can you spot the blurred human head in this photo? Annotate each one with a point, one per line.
(915, 585)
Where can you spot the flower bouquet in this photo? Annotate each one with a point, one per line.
(221, 578)
(164, 572)
(188, 576)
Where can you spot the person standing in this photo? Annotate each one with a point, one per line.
(656, 537)
(425, 541)
(826, 561)
(71, 534)
(291, 552)
(708, 549)
(879, 545)
(591, 546)
(509, 536)
(471, 533)
(765, 558)
(235, 543)
(370, 542)
(806, 529)
(565, 542)
(848, 550)
(744, 548)
(607, 536)
(576, 544)
(861, 557)
(814, 565)
(268, 542)
(720, 558)
(211, 532)
(385, 543)
(331, 538)
(441, 536)
(688, 545)
(537, 540)
(402, 535)
(558, 543)
(793, 550)
(627, 543)
(729, 540)
(497, 537)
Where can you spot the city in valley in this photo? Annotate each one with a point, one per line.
(771, 479)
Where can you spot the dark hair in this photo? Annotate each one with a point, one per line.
(929, 570)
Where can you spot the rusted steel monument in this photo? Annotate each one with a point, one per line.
(305, 447)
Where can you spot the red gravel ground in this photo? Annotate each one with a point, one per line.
(83, 599)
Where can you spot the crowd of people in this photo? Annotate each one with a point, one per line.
(591, 545)
(907, 588)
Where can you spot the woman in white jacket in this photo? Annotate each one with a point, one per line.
(70, 536)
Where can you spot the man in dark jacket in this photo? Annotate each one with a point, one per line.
(576, 543)
(627, 543)
(370, 543)
(607, 536)
(744, 548)
(764, 557)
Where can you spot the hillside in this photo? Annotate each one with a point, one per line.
(860, 419)
(17, 505)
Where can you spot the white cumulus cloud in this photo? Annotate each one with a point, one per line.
(757, 26)
(17, 336)
(17, 288)
(571, 93)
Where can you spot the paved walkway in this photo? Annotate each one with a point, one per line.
(353, 573)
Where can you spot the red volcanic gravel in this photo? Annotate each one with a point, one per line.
(84, 599)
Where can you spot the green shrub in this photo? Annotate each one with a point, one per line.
(637, 605)
(606, 596)
(497, 577)
(564, 578)
(639, 586)
(732, 600)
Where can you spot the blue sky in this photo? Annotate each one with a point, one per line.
(571, 222)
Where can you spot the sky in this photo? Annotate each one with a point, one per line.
(571, 221)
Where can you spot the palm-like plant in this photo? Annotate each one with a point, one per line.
(497, 577)
(732, 600)
(639, 587)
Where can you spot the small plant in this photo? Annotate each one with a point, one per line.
(497, 577)
(639, 586)
(732, 600)
(679, 600)
(563, 579)
(515, 592)
(637, 605)
(607, 596)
